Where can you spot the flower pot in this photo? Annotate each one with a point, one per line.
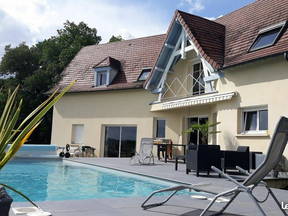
(5, 202)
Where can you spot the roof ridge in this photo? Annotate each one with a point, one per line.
(180, 11)
(125, 41)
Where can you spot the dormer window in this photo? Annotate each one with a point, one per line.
(144, 74)
(267, 36)
(105, 71)
(102, 78)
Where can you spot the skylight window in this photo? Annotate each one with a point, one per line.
(267, 37)
(144, 74)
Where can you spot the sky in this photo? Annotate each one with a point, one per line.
(34, 20)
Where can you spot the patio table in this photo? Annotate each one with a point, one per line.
(164, 148)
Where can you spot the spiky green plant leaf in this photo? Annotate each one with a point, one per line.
(16, 136)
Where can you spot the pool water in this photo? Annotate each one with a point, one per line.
(44, 180)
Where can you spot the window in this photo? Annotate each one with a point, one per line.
(144, 74)
(198, 81)
(196, 137)
(77, 134)
(160, 128)
(255, 120)
(267, 37)
(101, 78)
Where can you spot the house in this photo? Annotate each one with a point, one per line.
(232, 70)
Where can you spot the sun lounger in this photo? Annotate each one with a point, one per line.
(273, 156)
(145, 155)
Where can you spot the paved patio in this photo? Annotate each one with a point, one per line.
(180, 205)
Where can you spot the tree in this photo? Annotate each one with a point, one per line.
(116, 38)
(68, 42)
(21, 61)
(38, 68)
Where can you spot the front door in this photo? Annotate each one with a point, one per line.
(196, 137)
(120, 141)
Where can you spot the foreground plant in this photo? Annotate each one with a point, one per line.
(15, 134)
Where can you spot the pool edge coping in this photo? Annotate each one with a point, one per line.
(131, 172)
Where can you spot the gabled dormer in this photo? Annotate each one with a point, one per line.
(189, 64)
(105, 71)
(191, 37)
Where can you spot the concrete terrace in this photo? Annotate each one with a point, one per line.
(180, 205)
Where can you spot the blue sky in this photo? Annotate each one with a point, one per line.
(35, 20)
(205, 8)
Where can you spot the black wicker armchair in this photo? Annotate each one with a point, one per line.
(202, 157)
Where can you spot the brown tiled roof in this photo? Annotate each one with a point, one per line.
(226, 41)
(134, 55)
(208, 37)
(109, 62)
(242, 27)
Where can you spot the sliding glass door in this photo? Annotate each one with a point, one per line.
(196, 137)
(112, 142)
(120, 141)
(128, 141)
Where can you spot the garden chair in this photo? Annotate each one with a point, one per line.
(145, 155)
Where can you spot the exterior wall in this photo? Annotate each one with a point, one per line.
(174, 79)
(97, 109)
(176, 121)
(178, 80)
(264, 82)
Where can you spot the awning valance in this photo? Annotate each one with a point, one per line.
(191, 101)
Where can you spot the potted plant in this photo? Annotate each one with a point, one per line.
(16, 134)
(204, 129)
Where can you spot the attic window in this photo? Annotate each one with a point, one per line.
(267, 36)
(144, 74)
(101, 77)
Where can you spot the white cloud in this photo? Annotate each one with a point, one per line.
(193, 5)
(124, 33)
(36, 20)
(12, 32)
(213, 18)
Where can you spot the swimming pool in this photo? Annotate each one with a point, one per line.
(43, 180)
